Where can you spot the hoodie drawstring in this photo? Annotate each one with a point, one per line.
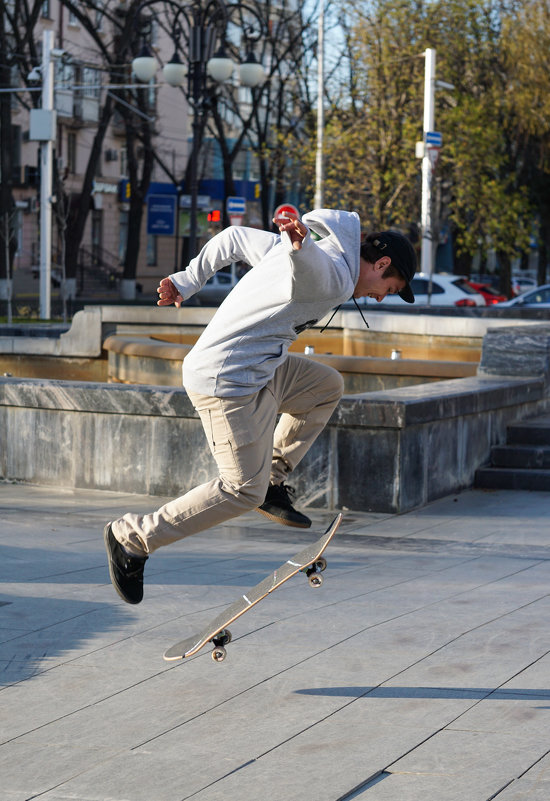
(326, 325)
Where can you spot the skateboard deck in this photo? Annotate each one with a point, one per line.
(309, 561)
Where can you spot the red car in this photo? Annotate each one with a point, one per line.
(491, 295)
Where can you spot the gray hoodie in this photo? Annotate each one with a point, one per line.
(286, 292)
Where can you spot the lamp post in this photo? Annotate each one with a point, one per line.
(202, 27)
(42, 129)
(319, 154)
(427, 251)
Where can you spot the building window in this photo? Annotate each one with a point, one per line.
(122, 235)
(18, 227)
(151, 250)
(99, 17)
(15, 83)
(46, 9)
(91, 80)
(16, 154)
(97, 235)
(71, 152)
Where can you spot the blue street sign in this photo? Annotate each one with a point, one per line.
(161, 214)
(434, 138)
(236, 205)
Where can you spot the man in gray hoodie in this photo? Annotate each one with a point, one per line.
(240, 376)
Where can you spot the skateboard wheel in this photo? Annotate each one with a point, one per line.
(222, 637)
(219, 653)
(321, 564)
(315, 580)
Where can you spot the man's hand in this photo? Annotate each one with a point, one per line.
(168, 294)
(294, 228)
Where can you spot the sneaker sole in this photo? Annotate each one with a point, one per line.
(282, 521)
(106, 532)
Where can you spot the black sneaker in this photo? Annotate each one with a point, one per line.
(125, 569)
(278, 507)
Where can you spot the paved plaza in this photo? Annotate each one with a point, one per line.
(419, 671)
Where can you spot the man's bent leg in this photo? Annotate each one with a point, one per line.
(240, 436)
(307, 393)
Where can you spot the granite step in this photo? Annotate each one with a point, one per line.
(535, 431)
(512, 478)
(523, 463)
(524, 456)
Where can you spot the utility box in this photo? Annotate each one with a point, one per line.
(43, 125)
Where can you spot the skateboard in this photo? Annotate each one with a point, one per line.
(309, 561)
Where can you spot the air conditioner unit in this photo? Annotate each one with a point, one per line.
(111, 155)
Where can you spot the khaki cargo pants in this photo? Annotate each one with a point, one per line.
(250, 448)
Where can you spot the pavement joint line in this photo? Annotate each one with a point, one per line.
(520, 775)
(360, 788)
(220, 778)
(501, 789)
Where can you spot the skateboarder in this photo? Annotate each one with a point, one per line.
(240, 376)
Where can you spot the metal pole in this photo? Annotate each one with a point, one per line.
(426, 254)
(319, 157)
(46, 176)
(195, 149)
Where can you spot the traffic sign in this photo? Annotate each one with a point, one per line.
(286, 208)
(236, 205)
(433, 138)
(203, 202)
(161, 215)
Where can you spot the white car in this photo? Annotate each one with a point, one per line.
(447, 290)
(538, 298)
(523, 283)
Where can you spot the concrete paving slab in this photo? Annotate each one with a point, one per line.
(533, 785)
(456, 755)
(427, 638)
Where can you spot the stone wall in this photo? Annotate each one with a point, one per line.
(382, 451)
(385, 451)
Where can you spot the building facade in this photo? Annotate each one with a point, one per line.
(81, 86)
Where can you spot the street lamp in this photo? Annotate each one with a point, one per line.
(202, 26)
(428, 151)
(42, 129)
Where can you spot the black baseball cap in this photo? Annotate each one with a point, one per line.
(402, 255)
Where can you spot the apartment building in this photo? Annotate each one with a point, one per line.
(81, 86)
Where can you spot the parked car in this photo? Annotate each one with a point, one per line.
(447, 290)
(538, 298)
(522, 283)
(491, 295)
(215, 290)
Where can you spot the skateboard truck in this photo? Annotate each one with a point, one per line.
(313, 572)
(219, 642)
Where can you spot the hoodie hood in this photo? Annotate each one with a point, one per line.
(340, 232)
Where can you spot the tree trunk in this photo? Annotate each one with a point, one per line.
(505, 274)
(77, 220)
(139, 188)
(7, 206)
(544, 251)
